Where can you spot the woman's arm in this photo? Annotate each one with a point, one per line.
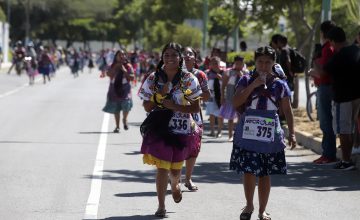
(194, 106)
(225, 80)
(149, 106)
(241, 95)
(128, 73)
(205, 95)
(286, 107)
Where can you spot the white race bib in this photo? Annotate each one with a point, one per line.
(259, 128)
(180, 123)
(197, 119)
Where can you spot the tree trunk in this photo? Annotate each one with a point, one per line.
(226, 43)
(295, 101)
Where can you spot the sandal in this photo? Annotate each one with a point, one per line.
(177, 194)
(126, 127)
(246, 215)
(160, 213)
(116, 130)
(264, 216)
(191, 186)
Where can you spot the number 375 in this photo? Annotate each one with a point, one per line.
(264, 132)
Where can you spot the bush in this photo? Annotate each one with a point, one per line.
(248, 58)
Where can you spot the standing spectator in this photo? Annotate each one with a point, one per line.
(213, 105)
(170, 95)
(258, 149)
(119, 96)
(243, 46)
(285, 61)
(229, 81)
(343, 68)
(324, 97)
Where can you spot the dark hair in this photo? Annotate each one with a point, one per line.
(238, 58)
(195, 55)
(326, 26)
(275, 38)
(282, 39)
(337, 34)
(265, 51)
(174, 46)
(116, 54)
(215, 58)
(243, 46)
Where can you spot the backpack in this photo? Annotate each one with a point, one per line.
(298, 61)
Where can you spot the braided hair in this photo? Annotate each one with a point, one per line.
(159, 70)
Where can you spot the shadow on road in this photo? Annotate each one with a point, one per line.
(95, 132)
(135, 217)
(300, 176)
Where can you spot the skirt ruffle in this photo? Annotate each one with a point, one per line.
(227, 111)
(155, 147)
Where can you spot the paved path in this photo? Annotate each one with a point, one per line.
(59, 161)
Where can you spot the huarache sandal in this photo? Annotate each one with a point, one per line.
(191, 186)
(246, 215)
(177, 194)
(160, 213)
(126, 127)
(264, 216)
(116, 130)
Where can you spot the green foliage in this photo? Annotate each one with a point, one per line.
(187, 36)
(248, 57)
(2, 15)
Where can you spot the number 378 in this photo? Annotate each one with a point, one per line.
(264, 132)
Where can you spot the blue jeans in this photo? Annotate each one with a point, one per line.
(324, 98)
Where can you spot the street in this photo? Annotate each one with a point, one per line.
(60, 160)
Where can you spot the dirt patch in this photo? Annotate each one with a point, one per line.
(303, 123)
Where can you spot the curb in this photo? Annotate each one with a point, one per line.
(310, 142)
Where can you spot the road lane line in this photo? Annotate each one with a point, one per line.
(92, 205)
(16, 90)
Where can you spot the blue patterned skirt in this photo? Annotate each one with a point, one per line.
(259, 164)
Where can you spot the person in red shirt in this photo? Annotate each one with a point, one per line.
(324, 96)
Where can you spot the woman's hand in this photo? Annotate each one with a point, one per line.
(169, 104)
(258, 82)
(292, 141)
(166, 89)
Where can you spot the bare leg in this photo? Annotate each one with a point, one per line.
(190, 163)
(125, 115)
(231, 128)
(249, 189)
(162, 176)
(117, 119)
(220, 126)
(175, 184)
(346, 146)
(212, 124)
(264, 192)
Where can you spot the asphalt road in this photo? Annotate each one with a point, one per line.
(60, 160)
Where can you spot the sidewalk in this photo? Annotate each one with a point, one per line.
(308, 141)
(5, 67)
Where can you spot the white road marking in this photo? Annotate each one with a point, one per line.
(92, 205)
(16, 90)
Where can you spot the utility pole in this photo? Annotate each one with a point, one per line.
(205, 18)
(27, 22)
(236, 37)
(8, 10)
(326, 10)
